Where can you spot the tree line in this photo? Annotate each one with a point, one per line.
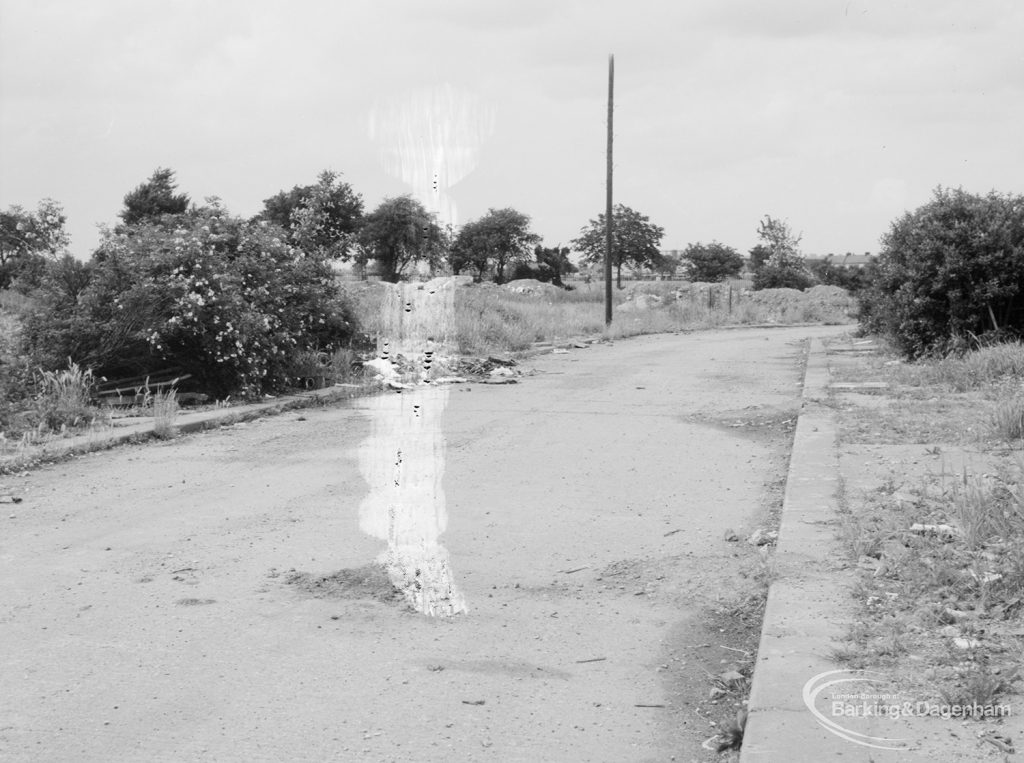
(326, 219)
(175, 279)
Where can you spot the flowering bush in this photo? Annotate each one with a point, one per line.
(228, 301)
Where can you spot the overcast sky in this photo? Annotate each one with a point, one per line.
(836, 115)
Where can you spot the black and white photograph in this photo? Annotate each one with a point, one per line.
(563, 381)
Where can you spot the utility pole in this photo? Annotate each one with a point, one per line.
(608, 223)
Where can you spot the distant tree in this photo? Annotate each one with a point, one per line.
(548, 266)
(154, 198)
(635, 240)
(784, 268)
(669, 264)
(399, 233)
(556, 258)
(29, 238)
(323, 217)
(712, 262)
(759, 255)
(494, 242)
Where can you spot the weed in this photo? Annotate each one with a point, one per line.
(341, 366)
(165, 408)
(987, 508)
(980, 687)
(64, 400)
(1008, 418)
(848, 655)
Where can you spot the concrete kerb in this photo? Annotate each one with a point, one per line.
(806, 601)
(187, 423)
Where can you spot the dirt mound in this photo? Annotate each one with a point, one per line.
(530, 286)
(832, 299)
(829, 295)
(370, 581)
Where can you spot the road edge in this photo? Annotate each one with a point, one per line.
(186, 423)
(808, 596)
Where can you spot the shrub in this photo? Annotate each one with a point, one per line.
(950, 272)
(782, 277)
(227, 301)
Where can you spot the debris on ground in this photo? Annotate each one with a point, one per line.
(762, 537)
(941, 531)
(371, 581)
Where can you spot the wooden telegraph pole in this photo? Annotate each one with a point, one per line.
(608, 224)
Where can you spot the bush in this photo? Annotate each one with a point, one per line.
(782, 277)
(227, 301)
(950, 273)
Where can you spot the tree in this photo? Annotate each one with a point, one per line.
(759, 255)
(495, 241)
(548, 266)
(154, 198)
(950, 271)
(784, 268)
(712, 262)
(323, 217)
(27, 238)
(398, 233)
(669, 264)
(635, 240)
(556, 258)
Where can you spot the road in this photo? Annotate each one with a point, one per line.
(153, 605)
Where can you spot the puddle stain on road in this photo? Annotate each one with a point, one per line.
(403, 457)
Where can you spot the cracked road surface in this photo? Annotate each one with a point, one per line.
(146, 613)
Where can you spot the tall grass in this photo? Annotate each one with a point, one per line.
(64, 399)
(978, 368)
(989, 508)
(164, 405)
(493, 319)
(1007, 422)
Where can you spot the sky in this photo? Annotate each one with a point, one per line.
(834, 115)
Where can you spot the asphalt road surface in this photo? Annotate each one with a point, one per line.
(161, 602)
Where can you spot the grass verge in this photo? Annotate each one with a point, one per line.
(940, 558)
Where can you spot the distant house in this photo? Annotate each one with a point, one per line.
(848, 260)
